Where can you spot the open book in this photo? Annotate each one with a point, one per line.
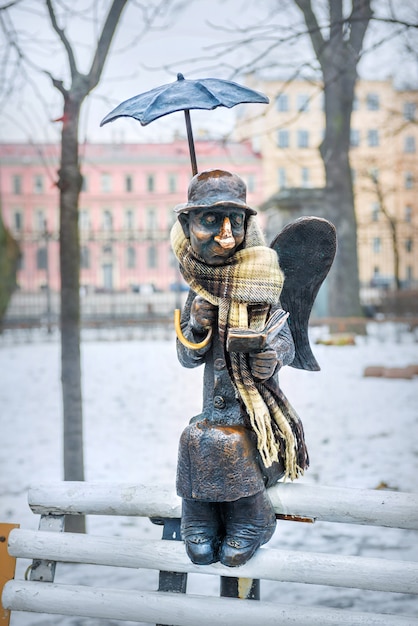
(247, 340)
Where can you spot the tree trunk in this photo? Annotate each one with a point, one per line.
(338, 57)
(344, 287)
(70, 186)
(9, 256)
(395, 247)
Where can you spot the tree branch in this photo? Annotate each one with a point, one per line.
(4, 7)
(58, 84)
(359, 19)
(314, 31)
(61, 34)
(104, 42)
(336, 18)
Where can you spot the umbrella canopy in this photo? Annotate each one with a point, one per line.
(204, 93)
(183, 95)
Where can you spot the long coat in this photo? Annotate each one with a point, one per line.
(218, 457)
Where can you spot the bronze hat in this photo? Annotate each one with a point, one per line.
(215, 188)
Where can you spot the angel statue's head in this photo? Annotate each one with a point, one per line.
(215, 215)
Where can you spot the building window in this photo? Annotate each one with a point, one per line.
(409, 144)
(18, 220)
(150, 183)
(408, 245)
(17, 184)
(303, 138)
(107, 220)
(372, 102)
(84, 220)
(38, 183)
(377, 244)
(108, 276)
(129, 219)
(283, 138)
(373, 138)
(409, 180)
(41, 258)
(39, 220)
(409, 111)
(106, 182)
(171, 218)
(172, 183)
(303, 102)
(151, 220)
(84, 183)
(354, 137)
(282, 102)
(282, 176)
(84, 257)
(408, 213)
(130, 257)
(304, 175)
(129, 183)
(152, 257)
(375, 212)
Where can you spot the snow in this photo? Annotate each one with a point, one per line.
(361, 432)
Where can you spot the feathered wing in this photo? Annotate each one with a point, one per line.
(306, 249)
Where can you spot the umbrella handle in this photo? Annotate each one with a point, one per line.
(191, 141)
(182, 338)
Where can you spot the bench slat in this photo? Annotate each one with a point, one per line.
(182, 610)
(331, 504)
(280, 565)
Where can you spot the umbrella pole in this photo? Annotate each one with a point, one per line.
(191, 141)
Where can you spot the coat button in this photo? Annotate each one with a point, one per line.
(219, 364)
(219, 402)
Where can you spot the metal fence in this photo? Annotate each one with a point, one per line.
(125, 278)
(131, 278)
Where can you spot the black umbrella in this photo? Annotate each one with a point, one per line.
(183, 95)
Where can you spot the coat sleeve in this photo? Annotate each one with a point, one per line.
(187, 357)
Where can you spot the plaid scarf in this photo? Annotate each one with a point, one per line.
(243, 289)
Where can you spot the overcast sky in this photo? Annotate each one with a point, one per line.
(188, 45)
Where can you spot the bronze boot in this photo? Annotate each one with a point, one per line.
(201, 530)
(249, 523)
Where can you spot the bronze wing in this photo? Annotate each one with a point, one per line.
(306, 250)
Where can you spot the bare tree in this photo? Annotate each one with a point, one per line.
(338, 56)
(74, 89)
(336, 31)
(69, 184)
(9, 249)
(382, 195)
(9, 256)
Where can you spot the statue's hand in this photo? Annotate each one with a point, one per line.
(202, 314)
(263, 364)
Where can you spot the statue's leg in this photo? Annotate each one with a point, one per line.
(249, 523)
(201, 530)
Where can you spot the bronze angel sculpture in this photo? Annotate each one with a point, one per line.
(246, 316)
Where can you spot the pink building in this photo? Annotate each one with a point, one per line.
(126, 208)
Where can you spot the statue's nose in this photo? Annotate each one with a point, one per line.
(225, 238)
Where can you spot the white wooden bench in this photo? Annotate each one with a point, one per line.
(49, 546)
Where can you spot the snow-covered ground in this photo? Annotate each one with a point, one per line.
(362, 432)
